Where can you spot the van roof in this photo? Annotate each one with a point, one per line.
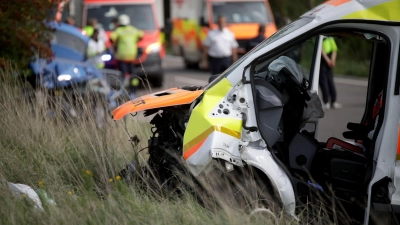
(375, 10)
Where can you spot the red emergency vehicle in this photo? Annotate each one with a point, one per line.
(143, 15)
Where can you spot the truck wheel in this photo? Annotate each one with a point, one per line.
(191, 65)
(157, 81)
(188, 64)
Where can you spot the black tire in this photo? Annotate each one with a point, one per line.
(188, 64)
(244, 189)
(157, 81)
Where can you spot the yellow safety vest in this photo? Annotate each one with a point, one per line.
(89, 30)
(162, 38)
(329, 45)
(126, 38)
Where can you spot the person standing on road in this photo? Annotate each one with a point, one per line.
(257, 40)
(220, 48)
(328, 62)
(70, 21)
(96, 48)
(91, 26)
(125, 39)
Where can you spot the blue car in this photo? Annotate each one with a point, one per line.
(69, 66)
(69, 69)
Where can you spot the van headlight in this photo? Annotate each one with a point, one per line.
(106, 57)
(155, 47)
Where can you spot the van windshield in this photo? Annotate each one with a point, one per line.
(241, 12)
(284, 31)
(141, 15)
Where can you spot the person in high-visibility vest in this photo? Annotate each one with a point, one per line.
(162, 38)
(328, 62)
(125, 39)
(96, 48)
(91, 26)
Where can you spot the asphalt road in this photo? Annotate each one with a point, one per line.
(351, 94)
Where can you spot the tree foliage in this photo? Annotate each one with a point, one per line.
(23, 31)
(291, 9)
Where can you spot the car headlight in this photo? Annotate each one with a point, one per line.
(64, 77)
(106, 57)
(155, 47)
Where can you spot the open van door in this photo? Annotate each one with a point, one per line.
(312, 125)
(317, 62)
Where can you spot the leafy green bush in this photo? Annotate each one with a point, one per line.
(23, 31)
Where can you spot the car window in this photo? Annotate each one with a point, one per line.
(70, 41)
(141, 15)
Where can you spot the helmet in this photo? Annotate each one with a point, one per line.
(124, 20)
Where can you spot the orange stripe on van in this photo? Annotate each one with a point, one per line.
(336, 2)
(194, 149)
(398, 144)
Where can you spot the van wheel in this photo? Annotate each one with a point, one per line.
(244, 190)
(257, 197)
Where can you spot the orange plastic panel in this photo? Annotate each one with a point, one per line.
(336, 2)
(170, 97)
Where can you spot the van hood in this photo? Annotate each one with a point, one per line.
(162, 99)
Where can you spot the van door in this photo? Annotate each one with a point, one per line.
(312, 124)
(306, 56)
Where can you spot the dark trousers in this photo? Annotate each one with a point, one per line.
(128, 70)
(219, 65)
(326, 83)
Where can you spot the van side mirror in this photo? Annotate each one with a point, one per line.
(203, 22)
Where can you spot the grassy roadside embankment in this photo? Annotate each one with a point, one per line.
(77, 164)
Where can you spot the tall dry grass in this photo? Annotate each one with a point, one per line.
(77, 164)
